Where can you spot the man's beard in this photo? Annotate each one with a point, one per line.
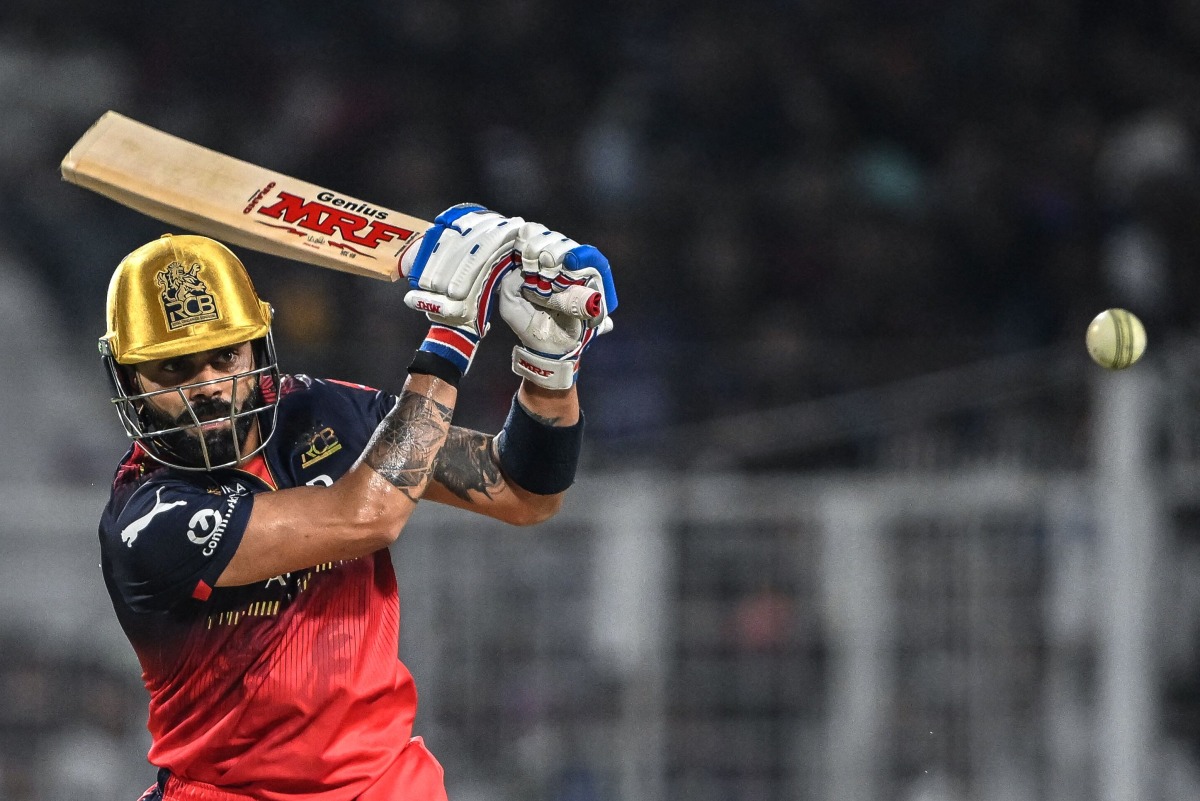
(184, 446)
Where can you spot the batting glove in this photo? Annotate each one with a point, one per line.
(555, 267)
(551, 341)
(454, 274)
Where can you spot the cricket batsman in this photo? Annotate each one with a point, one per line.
(245, 542)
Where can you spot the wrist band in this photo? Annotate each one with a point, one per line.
(537, 457)
(427, 363)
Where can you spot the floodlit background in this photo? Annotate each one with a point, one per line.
(858, 521)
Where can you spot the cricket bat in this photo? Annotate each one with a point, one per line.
(206, 192)
(210, 193)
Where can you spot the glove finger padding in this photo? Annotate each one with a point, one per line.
(458, 263)
(552, 263)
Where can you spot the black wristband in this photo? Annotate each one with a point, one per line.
(427, 363)
(538, 457)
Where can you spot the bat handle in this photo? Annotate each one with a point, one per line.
(582, 302)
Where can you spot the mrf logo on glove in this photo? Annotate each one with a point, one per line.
(525, 364)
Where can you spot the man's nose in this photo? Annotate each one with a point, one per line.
(221, 387)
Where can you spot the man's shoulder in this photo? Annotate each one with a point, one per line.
(171, 536)
(140, 484)
(135, 470)
(320, 397)
(320, 417)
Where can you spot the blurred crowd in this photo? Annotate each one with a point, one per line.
(71, 726)
(799, 198)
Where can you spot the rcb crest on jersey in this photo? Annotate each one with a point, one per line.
(321, 444)
(185, 298)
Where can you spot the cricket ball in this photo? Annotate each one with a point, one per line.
(1116, 339)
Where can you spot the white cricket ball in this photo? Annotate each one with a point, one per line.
(1116, 339)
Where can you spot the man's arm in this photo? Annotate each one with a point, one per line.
(520, 475)
(468, 472)
(460, 258)
(362, 511)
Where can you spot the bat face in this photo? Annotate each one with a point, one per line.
(207, 192)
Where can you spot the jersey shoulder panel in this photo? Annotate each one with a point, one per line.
(359, 399)
(135, 468)
(322, 428)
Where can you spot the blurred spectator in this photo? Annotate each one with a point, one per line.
(769, 182)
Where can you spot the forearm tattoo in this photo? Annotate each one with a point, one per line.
(465, 464)
(404, 447)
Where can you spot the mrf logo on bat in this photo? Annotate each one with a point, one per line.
(359, 224)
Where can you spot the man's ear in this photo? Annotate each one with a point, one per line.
(131, 378)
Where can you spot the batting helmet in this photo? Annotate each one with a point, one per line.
(176, 296)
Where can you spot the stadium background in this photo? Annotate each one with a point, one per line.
(857, 521)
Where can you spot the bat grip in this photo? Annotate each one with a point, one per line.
(582, 302)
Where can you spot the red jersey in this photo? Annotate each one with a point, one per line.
(284, 689)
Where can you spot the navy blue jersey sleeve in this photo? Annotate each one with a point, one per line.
(172, 541)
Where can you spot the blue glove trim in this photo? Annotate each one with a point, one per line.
(428, 245)
(588, 256)
(448, 217)
(430, 241)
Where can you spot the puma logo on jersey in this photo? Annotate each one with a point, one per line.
(130, 533)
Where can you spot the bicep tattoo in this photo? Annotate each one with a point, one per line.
(405, 444)
(465, 464)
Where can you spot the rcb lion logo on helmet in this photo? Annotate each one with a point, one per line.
(185, 298)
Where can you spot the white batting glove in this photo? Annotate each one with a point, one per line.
(551, 342)
(454, 273)
(458, 256)
(554, 266)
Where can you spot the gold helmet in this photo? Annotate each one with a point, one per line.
(176, 296)
(179, 295)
